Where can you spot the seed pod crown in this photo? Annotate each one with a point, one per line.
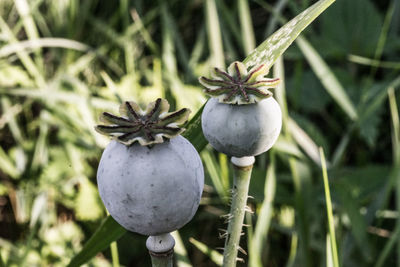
(148, 127)
(239, 85)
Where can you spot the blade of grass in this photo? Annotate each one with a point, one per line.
(394, 113)
(384, 255)
(382, 37)
(332, 236)
(224, 170)
(299, 183)
(22, 55)
(230, 20)
(246, 25)
(304, 141)
(182, 53)
(182, 259)
(18, 47)
(144, 32)
(327, 78)
(293, 250)
(373, 62)
(214, 35)
(24, 11)
(108, 232)
(214, 172)
(114, 254)
(16, 132)
(300, 186)
(40, 155)
(7, 165)
(264, 218)
(198, 48)
(214, 255)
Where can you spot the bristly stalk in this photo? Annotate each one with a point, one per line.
(241, 180)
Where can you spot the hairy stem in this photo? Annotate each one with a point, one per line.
(240, 190)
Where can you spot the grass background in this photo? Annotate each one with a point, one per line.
(63, 62)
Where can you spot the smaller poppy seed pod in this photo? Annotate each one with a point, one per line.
(150, 178)
(241, 119)
(242, 130)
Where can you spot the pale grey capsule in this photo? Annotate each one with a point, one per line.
(154, 190)
(242, 130)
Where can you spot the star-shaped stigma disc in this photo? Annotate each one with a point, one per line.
(148, 127)
(238, 85)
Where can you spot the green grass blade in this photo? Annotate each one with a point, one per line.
(332, 236)
(108, 232)
(246, 24)
(214, 35)
(182, 259)
(304, 141)
(22, 55)
(394, 113)
(7, 165)
(374, 62)
(280, 92)
(383, 36)
(293, 250)
(214, 255)
(264, 217)
(18, 47)
(29, 23)
(114, 254)
(182, 54)
(213, 170)
(269, 51)
(388, 247)
(327, 78)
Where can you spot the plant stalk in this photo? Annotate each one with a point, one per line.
(241, 180)
(162, 259)
(161, 250)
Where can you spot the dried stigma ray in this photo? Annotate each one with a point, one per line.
(238, 85)
(148, 127)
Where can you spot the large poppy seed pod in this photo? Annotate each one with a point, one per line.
(241, 119)
(150, 178)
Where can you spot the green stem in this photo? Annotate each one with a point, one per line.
(241, 180)
(114, 254)
(162, 259)
(161, 249)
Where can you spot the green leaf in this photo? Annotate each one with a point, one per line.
(269, 51)
(108, 232)
(331, 225)
(194, 133)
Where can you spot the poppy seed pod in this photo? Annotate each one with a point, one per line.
(150, 178)
(241, 118)
(242, 130)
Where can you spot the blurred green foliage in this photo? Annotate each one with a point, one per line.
(63, 62)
